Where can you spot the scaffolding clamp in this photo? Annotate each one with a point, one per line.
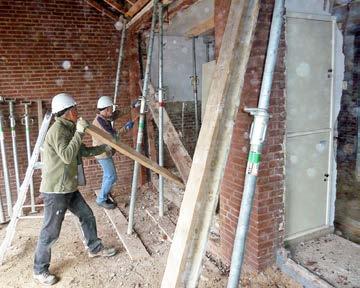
(259, 125)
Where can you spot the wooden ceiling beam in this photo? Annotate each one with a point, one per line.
(132, 2)
(102, 10)
(114, 4)
(136, 7)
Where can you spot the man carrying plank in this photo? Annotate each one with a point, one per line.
(62, 153)
(103, 121)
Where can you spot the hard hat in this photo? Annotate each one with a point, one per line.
(62, 101)
(104, 102)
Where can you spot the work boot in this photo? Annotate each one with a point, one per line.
(106, 205)
(105, 252)
(46, 278)
(109, 201)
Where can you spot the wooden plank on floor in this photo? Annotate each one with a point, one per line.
(132, 153)
(132, 243)
(176, 148)
(164, 223)
(203, 186)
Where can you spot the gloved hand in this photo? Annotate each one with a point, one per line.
(136, 103)
(108, 148)
(129, 125)
(81, 125)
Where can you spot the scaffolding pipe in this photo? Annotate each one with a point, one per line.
(14, 148)
(194, 82)
(120, 59)
(258, 132)
(28, 151)
(5, 167)
(182, 119)
(161, 112)
(142, 120)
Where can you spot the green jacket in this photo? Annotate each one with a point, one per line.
(62, 153)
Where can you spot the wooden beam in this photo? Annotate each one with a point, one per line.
(131, 2)
(144, 11)
(114, 4)
(137, 7)
(203, 186)
(132, 243)
(164, 223)
(132, 153)
(101, 9)
(203, 28)
(172, 140)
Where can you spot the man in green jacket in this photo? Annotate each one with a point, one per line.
(62, 153)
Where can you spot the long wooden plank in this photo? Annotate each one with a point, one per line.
(143, 11)
(132, 153)
(176, 148)
(204, 27)
(202, 189)
(114, 4)
(132, 243)
(164, 223)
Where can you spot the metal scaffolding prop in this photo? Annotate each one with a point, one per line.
(203, 186)
(27, 122)
(14, 148)
(11, 228)
(5, 169)
(142, 119)
(120, 59)
(194, 83)
(161, 111)
(257, 138)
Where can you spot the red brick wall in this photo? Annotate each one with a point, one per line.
(265, 233)
(36, 38)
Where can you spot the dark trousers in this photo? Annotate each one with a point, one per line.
(54, 213)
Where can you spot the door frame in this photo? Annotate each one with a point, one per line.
(331, 189)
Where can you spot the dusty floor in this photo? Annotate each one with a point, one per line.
(332, 258)
(71, 263)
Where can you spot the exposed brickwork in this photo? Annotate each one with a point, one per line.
(36, 38)
(348, 185)
(265, 233)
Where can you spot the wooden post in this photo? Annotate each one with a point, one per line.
(203, 186)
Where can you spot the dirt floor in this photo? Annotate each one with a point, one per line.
(332, 258)
(75, 269)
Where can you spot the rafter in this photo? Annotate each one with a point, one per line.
(136, 7)
(101, 9)
(114, 4)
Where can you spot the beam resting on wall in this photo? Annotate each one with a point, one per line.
(176, 148)
(210, 157)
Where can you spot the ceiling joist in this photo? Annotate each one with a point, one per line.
(136, 7)
(114, 4)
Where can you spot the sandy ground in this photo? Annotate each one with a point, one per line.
(75, 269)
(332, 258)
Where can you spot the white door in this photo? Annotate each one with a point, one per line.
(309, 72)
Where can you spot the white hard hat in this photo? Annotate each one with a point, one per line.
(104, 102)
(62, 101)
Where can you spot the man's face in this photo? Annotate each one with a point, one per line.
(107, 113)
(73, 114)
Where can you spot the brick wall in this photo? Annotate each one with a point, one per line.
(348, 184)
(266, 226)
(36, 38)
